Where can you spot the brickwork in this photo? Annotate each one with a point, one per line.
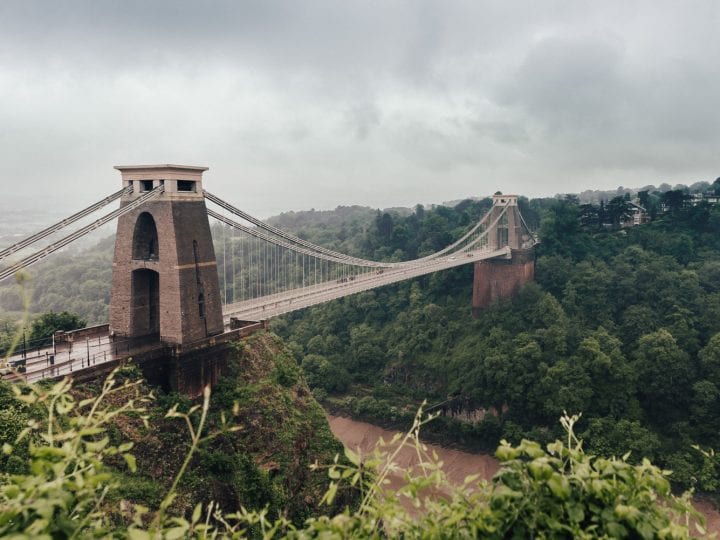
(497, 279)
(174, 292)
(191, 372)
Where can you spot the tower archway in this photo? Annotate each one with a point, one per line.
(145, 303)
(145, 238)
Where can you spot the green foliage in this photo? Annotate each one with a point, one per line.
(553, 492)
(619, 325)
(63, 492)
(560, 492)
(144, 491)
(74, 282)
(47, 324)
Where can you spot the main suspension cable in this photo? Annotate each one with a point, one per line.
(62, 224)
(35, 257)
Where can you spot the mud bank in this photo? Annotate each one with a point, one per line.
(456, 464)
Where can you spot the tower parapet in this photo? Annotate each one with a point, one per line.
(509, 226)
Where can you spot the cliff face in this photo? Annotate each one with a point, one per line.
(266, 462)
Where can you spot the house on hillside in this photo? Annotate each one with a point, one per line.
(708, 197)
(637, 216)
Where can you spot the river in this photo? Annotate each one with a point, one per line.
(457, 465)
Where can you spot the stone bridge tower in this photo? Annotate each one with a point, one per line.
(164, 280)
(500, 278)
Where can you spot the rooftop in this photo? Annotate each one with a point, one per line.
(160, 166)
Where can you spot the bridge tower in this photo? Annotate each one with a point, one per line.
(165, 280)
(501, 278)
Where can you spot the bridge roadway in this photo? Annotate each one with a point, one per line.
(270, 306)
(68, 357)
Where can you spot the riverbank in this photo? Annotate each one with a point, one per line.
(457, 464)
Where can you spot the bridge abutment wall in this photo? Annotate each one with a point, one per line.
(185, 369)
(498, 279)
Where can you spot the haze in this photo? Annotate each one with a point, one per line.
(298, 105)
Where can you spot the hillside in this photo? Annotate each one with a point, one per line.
(622, 325)
(281, 430)
(614, 316)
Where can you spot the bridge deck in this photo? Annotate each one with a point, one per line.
(97, 347)
(98, 350)
(285, 302)
(67, 358)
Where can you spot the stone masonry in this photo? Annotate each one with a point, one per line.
(165, 277)
(497, 279)
(501, 278)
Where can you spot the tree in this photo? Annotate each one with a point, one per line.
(674, 200)
(553, 272)
(8, 329)
(589, 216)
(609, 436)
(565, 387)
(48, 323)
(637, 320)
(644, 199)
(365, 350)
(321, 373)
(665, 374)
(618, 211)
(710, 360)
(613, 381)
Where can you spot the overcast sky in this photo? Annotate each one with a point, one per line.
(302, 104)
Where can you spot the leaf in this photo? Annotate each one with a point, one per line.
(131, 463)
(471, 479)
(575, 512)
(96, 446)
(175, 533)
(329, 496)
(137, 534)
(168, 500)
(352, 456)
(124, 447)
(197, 513)
(559, 487)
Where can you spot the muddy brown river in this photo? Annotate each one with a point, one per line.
(457, 465)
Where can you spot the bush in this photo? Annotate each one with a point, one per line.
(556, 492)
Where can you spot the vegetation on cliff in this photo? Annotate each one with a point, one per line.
(73, 470)
(622, 324)
(266, 428)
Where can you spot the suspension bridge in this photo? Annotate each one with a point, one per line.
(169, 291)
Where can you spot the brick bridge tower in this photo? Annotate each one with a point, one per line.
(500, 278)
(164, 280)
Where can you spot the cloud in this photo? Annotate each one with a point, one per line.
(313, 104)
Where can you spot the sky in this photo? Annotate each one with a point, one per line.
(312, 104)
